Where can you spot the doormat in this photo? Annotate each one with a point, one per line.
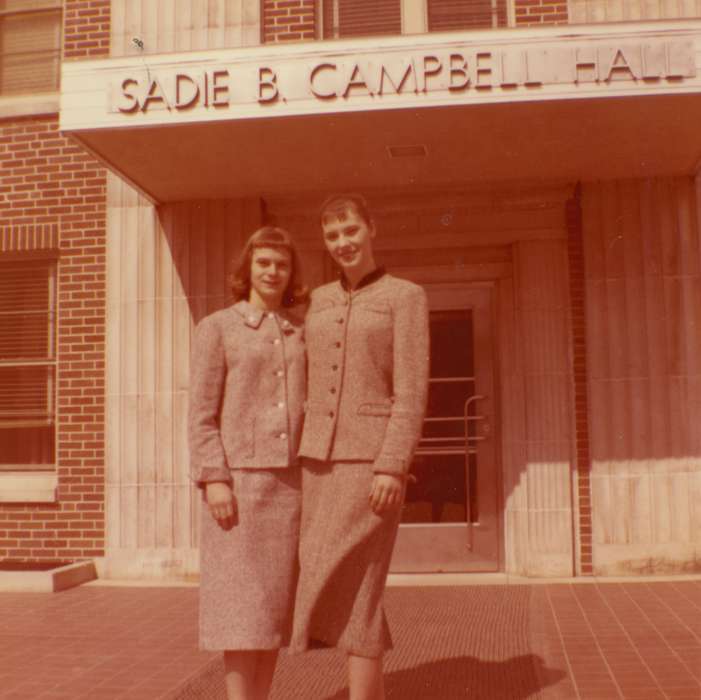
(449, 642)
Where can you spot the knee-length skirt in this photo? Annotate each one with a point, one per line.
(248, 574)
(345, 552)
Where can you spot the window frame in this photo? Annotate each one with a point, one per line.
(602, 5)
(331, 9)
(51, 259)
(414, 18)
(509, 10)
(53, 7)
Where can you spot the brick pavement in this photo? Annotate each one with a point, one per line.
(596, 640)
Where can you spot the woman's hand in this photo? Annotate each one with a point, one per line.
(222, 506)
(386, 493)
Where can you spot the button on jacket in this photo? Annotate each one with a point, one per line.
(368, 360)
(247, 386)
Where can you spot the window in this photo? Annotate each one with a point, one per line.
(30, 46)
(585, 11)
(446, 15)
(27, 364)
(344, 18)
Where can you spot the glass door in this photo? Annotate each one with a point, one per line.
(449, 521)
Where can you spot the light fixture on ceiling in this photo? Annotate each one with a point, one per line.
(413, 151)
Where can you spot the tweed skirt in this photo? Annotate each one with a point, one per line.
(248, 574)
(345, 551)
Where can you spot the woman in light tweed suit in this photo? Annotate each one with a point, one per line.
(246, 407)
(367, 352)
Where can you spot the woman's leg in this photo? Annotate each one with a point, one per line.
(365, 678)
(240, 674)
(265, 668)
(249, 674)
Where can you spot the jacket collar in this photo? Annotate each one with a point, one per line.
(252, 315)
(371, 277)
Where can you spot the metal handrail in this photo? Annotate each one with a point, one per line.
(468, 504)
(435, 451)
(437, 419)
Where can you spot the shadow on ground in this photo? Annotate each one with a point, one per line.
(518, 678)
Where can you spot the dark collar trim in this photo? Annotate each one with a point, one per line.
(371, 277)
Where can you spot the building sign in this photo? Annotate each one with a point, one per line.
(446, 72)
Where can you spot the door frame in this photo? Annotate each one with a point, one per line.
(476, 267)
(459, 547)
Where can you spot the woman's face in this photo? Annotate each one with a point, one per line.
(348, 238)
(271, 269)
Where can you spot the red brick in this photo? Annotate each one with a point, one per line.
(538, 12)
(288, 20)
(35, 144)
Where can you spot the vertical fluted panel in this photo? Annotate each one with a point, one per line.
(166, 270)
(168, 288)
(644, 321)
(123, 363)
(542, 332)
(513, 430)
(164, 26)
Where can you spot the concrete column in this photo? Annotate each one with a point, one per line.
(167, 268)
(537, 416)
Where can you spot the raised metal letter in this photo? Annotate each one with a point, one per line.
(312, 77)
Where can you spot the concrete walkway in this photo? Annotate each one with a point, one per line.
(636, 639)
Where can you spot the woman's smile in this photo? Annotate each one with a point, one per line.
(347, 256)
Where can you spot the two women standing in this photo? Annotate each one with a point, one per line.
(367, 350)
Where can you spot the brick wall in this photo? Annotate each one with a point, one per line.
(289, 20)
(45, 180)
(86, 26)
(48, 181)
(575, 250)
(536, 12)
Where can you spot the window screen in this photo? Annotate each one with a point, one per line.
(344, 18)
(27, 363)
(30, 43)
(446, 15)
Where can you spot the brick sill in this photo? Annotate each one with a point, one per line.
(29, 105)
(28, 487)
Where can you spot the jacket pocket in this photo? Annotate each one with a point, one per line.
(375, 409)
(376, 307)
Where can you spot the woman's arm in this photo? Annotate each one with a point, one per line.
(207, 380)
(410, 382)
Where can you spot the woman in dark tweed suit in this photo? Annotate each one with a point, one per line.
(367, 352)
(246, 406)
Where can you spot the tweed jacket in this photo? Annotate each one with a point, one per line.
(368, 362)
(247, 386)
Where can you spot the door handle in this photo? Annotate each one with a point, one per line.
(468, 505)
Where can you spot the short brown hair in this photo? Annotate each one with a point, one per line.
(269, 237)
(337, 203)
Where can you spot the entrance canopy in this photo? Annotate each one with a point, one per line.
(614, 101)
